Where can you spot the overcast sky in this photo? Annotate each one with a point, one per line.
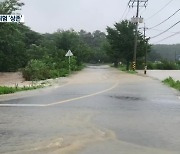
(49, 15)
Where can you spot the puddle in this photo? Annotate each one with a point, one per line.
(128, 98)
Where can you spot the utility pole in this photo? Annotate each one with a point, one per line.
(146, 45)
(145, 67)
(135, 41)
(136, 20)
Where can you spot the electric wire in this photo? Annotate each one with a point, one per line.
(159, 30)
(168, 37)
(142, 12)
(159, 10)
(127, 13)
(166, 30)
(165, 20)
(124, 13)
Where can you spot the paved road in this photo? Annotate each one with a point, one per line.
(99, 110)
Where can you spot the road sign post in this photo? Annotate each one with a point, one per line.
(69, 54)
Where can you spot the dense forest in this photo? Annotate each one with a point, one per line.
(42, 56)
(20, 47)
(165, 52)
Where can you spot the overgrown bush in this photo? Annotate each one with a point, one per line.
(164, 65)
(172, 83)
(140, 64)
(151, 66)
(7, 90)
(36, 70)
(41, 70)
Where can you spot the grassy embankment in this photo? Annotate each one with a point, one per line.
(8, 90)
(172, 83)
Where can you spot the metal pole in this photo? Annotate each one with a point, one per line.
(146, 59)
(145, 67)
(69, 64)
(136, 37)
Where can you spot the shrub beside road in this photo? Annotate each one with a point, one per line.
(172, 83)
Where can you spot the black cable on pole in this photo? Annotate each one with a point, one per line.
(165, 19)
(165, 30)
(159, 10)
(168, 37)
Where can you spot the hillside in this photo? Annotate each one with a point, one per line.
(168, 52)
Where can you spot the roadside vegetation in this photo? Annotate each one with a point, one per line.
(8, 90)
(122, 67)
(164, 65)
(169, 52)
(42, 56)
(172, 83)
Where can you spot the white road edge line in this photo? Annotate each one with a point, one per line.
(61, 102)
(13, 95)
(22, 105)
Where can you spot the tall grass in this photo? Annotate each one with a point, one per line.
(172, 83)
(8, 90)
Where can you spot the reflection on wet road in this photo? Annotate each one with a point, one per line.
(139, 115)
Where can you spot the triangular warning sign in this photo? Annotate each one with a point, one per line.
(69, 53)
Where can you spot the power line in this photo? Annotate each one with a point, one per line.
(159, 10)
(159, 30)
(168, 37)
(142, 11)
(165, 19)
(124, 13)
(165, 30)
(127, 13)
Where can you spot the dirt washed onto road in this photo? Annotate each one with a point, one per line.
(12, 78)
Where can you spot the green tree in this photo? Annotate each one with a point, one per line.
(95, 41)
(12, 46)
(10, 6)
(121, 41)
(70, 40)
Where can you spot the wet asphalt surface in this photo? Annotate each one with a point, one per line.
(106, 111)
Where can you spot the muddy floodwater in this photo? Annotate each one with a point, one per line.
(162, 74)
(100, 110)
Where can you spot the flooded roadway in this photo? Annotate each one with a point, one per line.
(100, 110)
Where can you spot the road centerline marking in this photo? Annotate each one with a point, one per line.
(60, 102)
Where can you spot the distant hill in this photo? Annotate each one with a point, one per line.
(168, 52)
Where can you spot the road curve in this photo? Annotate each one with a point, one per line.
(100, 110)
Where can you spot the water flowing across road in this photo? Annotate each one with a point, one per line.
(100, 110)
